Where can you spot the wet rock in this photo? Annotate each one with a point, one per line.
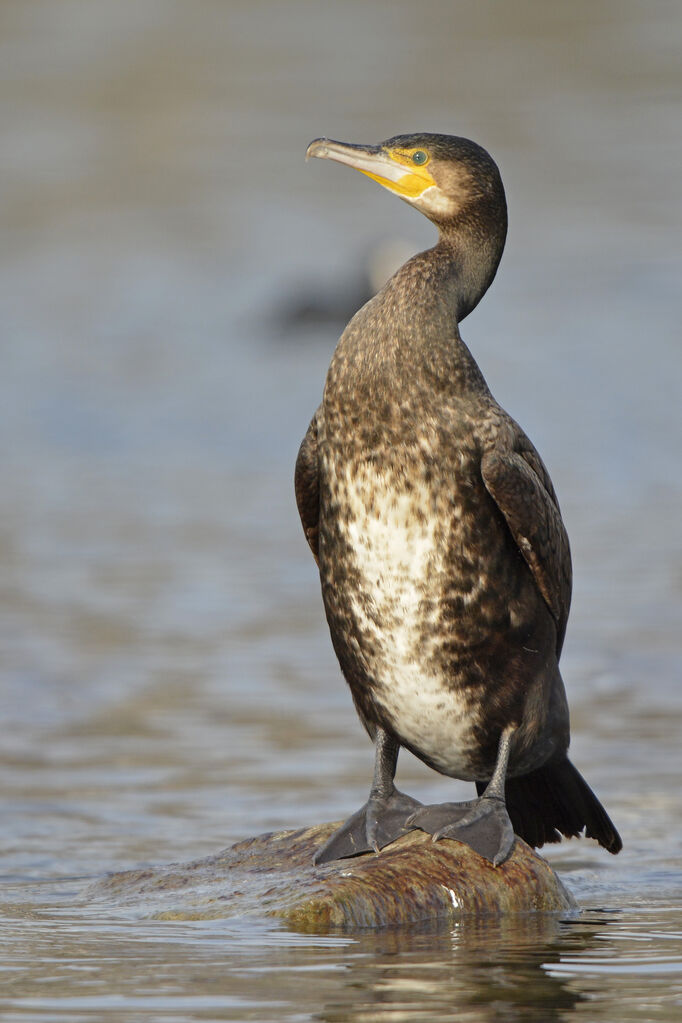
(412, 880)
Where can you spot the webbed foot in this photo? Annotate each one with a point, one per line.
(378, 823)
(482, 823)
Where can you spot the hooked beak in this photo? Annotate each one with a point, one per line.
(406, 180)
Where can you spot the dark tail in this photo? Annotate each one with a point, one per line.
(556, 800)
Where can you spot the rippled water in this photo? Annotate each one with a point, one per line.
(172, 282)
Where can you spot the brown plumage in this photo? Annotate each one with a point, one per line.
(444, 562)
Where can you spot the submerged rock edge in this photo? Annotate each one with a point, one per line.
(412, 881)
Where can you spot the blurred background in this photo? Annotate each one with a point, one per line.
(173, 279)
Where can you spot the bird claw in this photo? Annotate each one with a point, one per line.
(374, 826)
(483, 824)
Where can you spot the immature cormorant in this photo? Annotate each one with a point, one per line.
(444, 562)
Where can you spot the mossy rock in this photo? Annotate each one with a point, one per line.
(413, 880)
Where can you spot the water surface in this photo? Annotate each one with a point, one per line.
(167, 683)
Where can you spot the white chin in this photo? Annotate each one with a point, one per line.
(432, 202)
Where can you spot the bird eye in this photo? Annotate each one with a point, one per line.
(419, 157)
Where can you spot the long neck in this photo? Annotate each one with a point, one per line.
(436, 289)
(411, 325)
(472, 266)
(473, 245)
(458, 271)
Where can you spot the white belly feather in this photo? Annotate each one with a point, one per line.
(399, 562)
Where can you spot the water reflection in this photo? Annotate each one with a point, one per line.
(482, 972)
(479, 972)
(528, 969)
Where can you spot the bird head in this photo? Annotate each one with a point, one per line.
(443, 176)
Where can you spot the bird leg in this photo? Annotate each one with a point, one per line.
(481, 823)
(383, 817)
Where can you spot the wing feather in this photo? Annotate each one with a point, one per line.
(307, 487)
(517, 480)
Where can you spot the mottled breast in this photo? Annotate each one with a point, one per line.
(404, 576)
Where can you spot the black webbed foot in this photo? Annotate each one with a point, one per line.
(378, 823)
(482, 823)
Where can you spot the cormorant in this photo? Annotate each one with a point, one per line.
(444, 562)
